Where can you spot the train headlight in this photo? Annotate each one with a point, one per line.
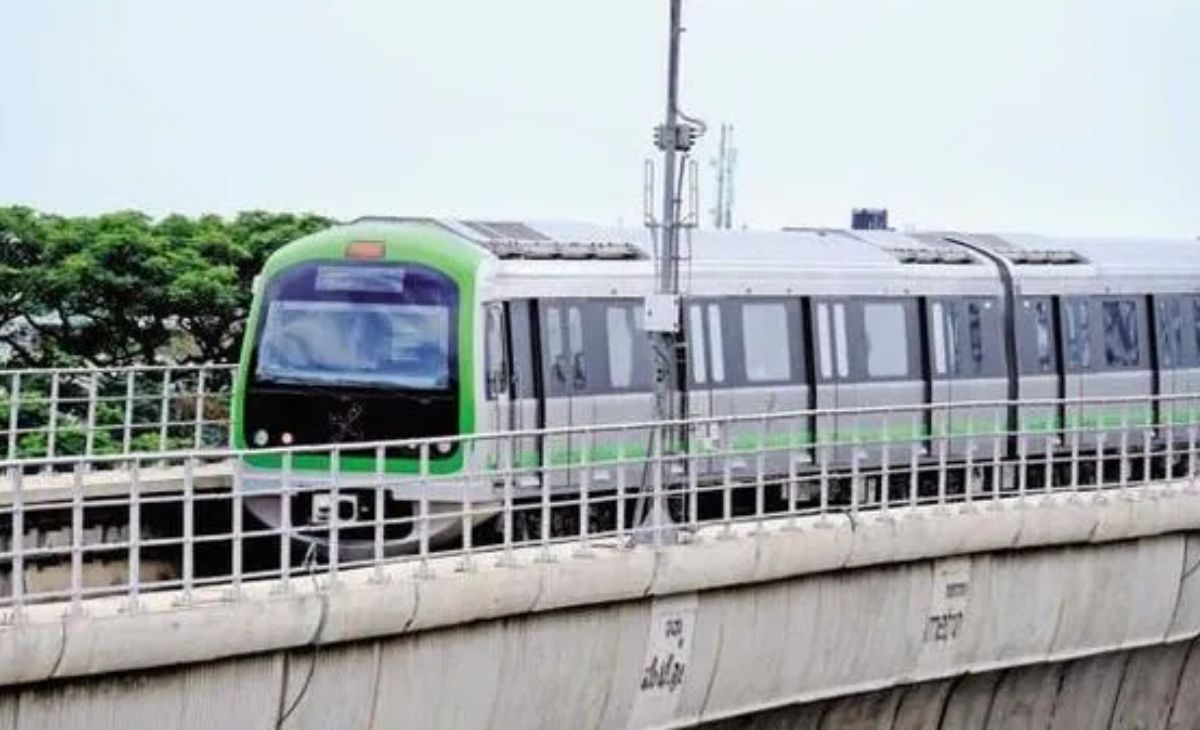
(261, 437)
(286, 438)
(444, 447)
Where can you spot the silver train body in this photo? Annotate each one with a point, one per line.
(805, 319)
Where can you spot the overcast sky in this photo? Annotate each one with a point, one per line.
(1047, 115)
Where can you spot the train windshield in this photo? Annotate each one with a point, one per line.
(350, 343)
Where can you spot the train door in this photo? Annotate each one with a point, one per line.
(966, 340)
(497, 382)
(831, 340)
(621, 391)
(1188, 376)
(887, 372)
(1108, 342)
(525, 388)
(1178, 327)
(764, 354)
(565, 379)
(1076, 333)
(1039, 369)
(1168, 318)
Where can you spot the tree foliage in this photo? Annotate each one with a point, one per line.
(123, 288)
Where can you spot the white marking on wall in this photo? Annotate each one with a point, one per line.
(948, 602)
(665, 665)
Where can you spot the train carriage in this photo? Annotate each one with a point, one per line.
(880, 345)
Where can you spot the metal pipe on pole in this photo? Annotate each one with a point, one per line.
(663, 310)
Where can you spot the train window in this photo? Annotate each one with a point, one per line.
(886, 328)
(521, 364)
(716, 339)
(1121, 348)
(766, 349)
(497, 378)
(578, 368)
(939, 338)
(1079, 350)
(628, 351)
(619, 322)
(823, 342)
(556, 355)
(696, 344)
(1037, 341)
(974, 364)
(839, 336)
(1170, 327)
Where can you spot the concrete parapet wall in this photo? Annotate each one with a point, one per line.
(632, 637)
(1153, 688)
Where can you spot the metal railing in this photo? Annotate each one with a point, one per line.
(46, 413)
(374, 505)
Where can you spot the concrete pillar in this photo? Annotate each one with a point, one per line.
(1088, 694)
(1149, 687)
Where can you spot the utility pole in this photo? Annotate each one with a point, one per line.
(674, 137)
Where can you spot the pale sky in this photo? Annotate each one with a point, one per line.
(1059, 116)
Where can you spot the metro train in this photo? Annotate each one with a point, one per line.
(392, 328)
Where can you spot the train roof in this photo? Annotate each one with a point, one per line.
(822, 248)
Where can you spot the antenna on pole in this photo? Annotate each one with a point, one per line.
(674, 137)
(725, 162)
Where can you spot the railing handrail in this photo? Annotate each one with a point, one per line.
(424, 442)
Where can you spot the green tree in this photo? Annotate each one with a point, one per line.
(121, 288)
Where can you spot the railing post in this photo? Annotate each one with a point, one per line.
(16, 477)
(14, 411)
(622, 486)
(164, 416)
(585, 471)
(823, 486)
(507, 455)
(999, 435)
(135, 535)
(1124, 462)
(90, 434)
(1022, 467)
(188, 543)
(285, 520)
(467, 565)
(335, 513)
(544, 503)
(377, 573)
(855, 471)
(914, 465)
(760, 476)
(656, 509)
(77, 539)
(1048, 473)
(727, 490)
(127, 426)
(52, 424)
(423, 505)
(1191, 453)
(236, 561)
(201, 385)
